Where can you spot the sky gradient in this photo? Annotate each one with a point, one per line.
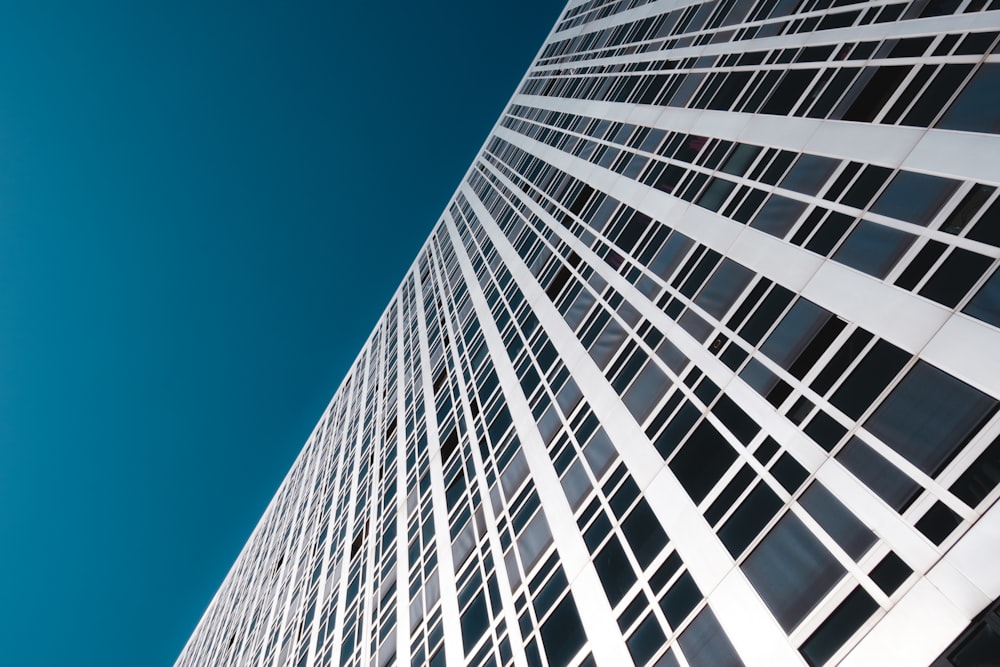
(204, 207)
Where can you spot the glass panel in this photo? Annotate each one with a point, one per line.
(792, 571)
(614, 570)
(646, 640)
(975, 109)
(985, 305)
(885, 479)
(644, 534)
(533, 541)
(778, 215)
(809, 174)
(702, 461)
(723, 288)
(914, 197)
(705, 643)
(562, 634)
(796, 329)
(682, 597)
(649, 387)
(929, 416)
(838, 628)
(853, 536)
(873, 248)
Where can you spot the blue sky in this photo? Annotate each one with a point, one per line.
(204, 206)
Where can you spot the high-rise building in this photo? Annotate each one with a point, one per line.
(699, 367)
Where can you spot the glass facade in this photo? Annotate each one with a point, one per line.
(699, 367)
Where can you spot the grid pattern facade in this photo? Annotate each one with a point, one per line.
(700, 367)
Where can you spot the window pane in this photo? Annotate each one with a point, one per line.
(778, 215)
(562, 634)
(873, 248)
(705, 643)
(723, 288)
(929, 416)
(702, 461)
(792, 571)
(853, 536)
(914, 197)
(649, 386)
(975, 110)
(985, 305)
(885, 479)
(794, 332)
(809, 174)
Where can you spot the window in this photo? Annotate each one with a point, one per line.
(986, 304)
(914, 197)
(853, 536)
(873, 249)
(975, 109)
(792, 571)
(929, 416)
(702, 461)
(562, 634)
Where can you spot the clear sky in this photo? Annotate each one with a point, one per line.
(204, 207)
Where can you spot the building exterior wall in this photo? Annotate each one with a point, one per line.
(700, 366)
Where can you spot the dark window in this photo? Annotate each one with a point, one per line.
(723, 288)
(975, 109)
(809, 174)
(705, 643)
(956, 276)
(873, 248)
(739, 160)
(794, 332)
(921, 265)
(789, 473)
(929, 416)
(869, 182)
(843, 358)
(475, 620)
(934, 98)
(853, 536)
(791, 570)
(845, 620)
(986, 304)
(880, 87)
(729, 494)
(873, 374)
(735, 419)
(980, 643)
(938, 523)
(895, 488)
(644, 534)
(614, 570)
(890, 573)
(788, 92)
(778, 215)
(825, 430)
(966, 211)
(646, 640)
(829, 233)
(678, 427)
(979, 480)
(682, 597)
(702, 461)
(562, 634)
(914, 197)
(766, 314)
(749, 519)
(987, 230)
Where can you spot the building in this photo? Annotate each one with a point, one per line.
(700, 366)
